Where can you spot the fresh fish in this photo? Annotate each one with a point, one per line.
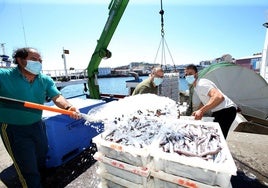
(140, 128)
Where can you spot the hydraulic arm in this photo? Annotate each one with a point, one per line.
(116, 10)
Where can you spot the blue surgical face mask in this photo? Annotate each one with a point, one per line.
(33, 67)
(190, 79)
(157, 81)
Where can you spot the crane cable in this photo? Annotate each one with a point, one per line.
(163, 42)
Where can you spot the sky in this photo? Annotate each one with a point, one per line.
(194, 30)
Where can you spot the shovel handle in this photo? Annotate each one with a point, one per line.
(36, 106)
(48, 108)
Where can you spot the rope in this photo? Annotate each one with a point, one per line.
(163, 42)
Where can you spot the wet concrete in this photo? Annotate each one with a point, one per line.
(250, 153)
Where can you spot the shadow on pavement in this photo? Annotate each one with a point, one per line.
(55, 177)
(241, 180)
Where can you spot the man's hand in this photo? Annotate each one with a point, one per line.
(76, 114)
(198, 114)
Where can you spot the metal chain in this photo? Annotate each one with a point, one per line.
(163, 42)
(161, 12)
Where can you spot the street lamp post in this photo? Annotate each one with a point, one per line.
(264, 54)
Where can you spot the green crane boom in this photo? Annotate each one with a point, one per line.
(117, 8)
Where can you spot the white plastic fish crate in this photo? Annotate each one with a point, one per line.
(128, 154)
(196, 168)
(164, 180)
(111, 181)
(135, 174)
(191, 118)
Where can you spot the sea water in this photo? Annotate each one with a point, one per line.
(115, 86)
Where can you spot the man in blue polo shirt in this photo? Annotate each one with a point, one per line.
(22, 130)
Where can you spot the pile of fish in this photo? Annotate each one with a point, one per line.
(137, 129)
(192, 140)
(130, 123)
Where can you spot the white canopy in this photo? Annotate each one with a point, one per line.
(246, 88)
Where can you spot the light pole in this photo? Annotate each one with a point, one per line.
(64, 61)
(3, 48)
(264, 54)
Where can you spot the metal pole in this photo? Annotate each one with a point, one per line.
(3, 48)
(64, 61)
(264, 60)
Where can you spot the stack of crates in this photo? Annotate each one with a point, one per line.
(126, 166)
(68, 137)
(122, 166)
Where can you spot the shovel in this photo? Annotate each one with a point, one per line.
(32, 105)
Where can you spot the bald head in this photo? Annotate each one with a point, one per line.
(157, 72)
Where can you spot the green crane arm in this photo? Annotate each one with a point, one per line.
(117, 8)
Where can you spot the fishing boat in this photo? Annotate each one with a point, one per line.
(5, 60)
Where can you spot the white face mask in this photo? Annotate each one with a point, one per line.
(33, 67)
(157, 81)
(190, 79)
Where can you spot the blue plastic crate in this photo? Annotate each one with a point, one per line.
(68, 137)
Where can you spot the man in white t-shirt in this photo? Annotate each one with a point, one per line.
(212, 99)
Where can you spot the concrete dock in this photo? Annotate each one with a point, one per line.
(250, 153)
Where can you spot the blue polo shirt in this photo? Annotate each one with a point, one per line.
(14, 85)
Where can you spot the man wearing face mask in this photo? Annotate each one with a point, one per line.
(150, 85)
(22, 130)
(190, 79)
(212, 99)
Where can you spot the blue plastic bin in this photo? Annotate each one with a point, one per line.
(68, 137)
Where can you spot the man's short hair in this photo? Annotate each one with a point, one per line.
(21, 53)
(192, 66)
(156, 69)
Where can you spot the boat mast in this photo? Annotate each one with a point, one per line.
(264, 60)
(22, 22)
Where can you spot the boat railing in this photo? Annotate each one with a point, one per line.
(69, 74)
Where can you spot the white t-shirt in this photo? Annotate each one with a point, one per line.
(202, 88)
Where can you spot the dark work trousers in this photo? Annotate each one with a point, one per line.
(225, 118)
(27, 146)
